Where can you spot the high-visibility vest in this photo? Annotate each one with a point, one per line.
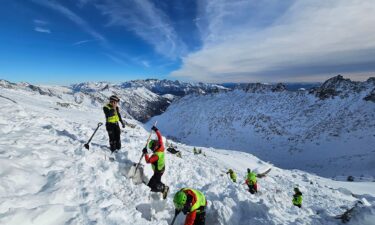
(233, 176)
(113, 117)
(201, 199)
(297, 199)
(159, 165)
(251, 178)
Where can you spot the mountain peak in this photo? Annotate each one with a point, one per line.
(339, 86)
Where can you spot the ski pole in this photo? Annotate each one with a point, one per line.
(140, 159)
(87, 146)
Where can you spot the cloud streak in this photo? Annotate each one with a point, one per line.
(148, 22)
(74, 18)
(78, 43)
(290, 39)
(42, 30)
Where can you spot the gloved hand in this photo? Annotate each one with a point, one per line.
(154, 128)
(123, 125)
(144, 150)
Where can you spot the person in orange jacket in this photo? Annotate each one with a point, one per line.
(157, 162)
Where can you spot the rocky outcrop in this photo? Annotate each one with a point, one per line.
(371, 96)
(339, 86)
(176, 87)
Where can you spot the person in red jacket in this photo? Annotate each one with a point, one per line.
(193, 203)
(157, 162)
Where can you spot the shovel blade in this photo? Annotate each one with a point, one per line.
(138, 177)
(87, 146)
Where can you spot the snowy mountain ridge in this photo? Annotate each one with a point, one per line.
(328, 130)
(47, 177)
(141, 99)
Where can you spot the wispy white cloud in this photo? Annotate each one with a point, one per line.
(40, 22)
(148, 22)
(145, 63)
(111, 53)
(78, 43)
(42, 30)
(310, 37)
(74, 18)
(82, 3)
(115, 59)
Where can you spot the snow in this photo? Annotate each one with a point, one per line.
(47, 177)
(294, 130)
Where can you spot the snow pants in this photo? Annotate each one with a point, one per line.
(155, 182)
(253, 188)
(114, 133)
(200, 219)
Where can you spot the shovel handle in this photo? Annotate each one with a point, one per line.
(140, 159)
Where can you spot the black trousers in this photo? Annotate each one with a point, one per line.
(114, 132)
(155, 182)
(200, 219)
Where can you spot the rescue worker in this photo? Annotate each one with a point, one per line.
(251, 181)
(193, 203)
(157, 162)
(297, 197)
(113, 116)
(232, 175)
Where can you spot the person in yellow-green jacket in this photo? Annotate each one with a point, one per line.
(251, 181)
(297, 197)
(232, 175)
(113, 116)
(193, 204)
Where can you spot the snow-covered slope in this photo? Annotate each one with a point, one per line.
(137, 102)
(329, 130)
(47, 177)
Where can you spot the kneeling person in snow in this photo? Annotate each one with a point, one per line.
(297, 197)
(251, 181)
(158, 164)
(112, 115)
(232, 175)
(193, 203)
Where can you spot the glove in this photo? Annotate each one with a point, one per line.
(144, 150)
(154, 128)
(123, 125)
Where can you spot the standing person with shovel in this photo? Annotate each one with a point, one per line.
(157, 162)
(113, 116)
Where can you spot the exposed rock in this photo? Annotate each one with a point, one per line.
(338, 86)
(371, 96)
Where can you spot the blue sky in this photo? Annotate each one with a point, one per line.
(68, 41)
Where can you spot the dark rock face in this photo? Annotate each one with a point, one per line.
(7, 84)
(148, 110)
(338, 86)
(40, 90)
(371, 96)
(279, 88)
(261, 88)
(176, 87)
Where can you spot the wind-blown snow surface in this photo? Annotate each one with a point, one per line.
(47, 177)
(333, 134)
